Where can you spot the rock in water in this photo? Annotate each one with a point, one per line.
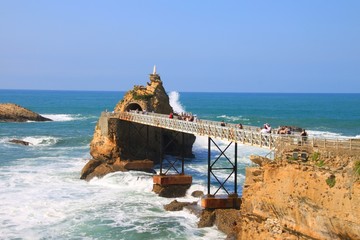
(10, 112)
(111, 146)
(21, 142)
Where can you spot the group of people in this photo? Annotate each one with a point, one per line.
(284, 130)
(265, 129)
(289, 130)
(184, 116)
(223, 124)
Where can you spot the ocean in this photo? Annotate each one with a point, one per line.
(42, 197)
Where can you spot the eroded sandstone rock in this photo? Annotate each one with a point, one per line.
(117, 142)
(296, 199)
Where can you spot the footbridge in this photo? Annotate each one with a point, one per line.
(247, 135)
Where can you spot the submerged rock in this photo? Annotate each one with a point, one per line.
(177, 206)
(21, 142)
(10, 112)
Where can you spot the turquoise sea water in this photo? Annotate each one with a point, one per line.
(42, 197)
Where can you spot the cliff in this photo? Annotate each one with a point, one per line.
(305, 193)
(10, 112)
(118, 142)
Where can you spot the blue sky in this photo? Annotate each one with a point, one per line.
(210, 46)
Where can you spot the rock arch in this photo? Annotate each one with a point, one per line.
(133, 106)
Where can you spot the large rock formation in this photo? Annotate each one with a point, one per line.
(152, 98)
(10, 112)
(115, 141)
(306, 193)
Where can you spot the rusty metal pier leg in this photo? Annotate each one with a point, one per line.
(177, 183)
(161, 151)
(235, 169)
(147, 141)
(209, 166)
(229, 200)
(182, 153)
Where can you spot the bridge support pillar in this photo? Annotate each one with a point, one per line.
(172, 181)
(171, 185)
(223, 165)
(221, 201)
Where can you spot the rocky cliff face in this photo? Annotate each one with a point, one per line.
(10, 112)
(116, 141)
(315, 197)
(152, 98)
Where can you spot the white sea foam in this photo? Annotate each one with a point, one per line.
(63, 117)
(174, 98)
(33, 140)
(328, 135)
(233, 118)
(41, 140)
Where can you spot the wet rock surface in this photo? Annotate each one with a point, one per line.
(177, 206)
(20, 142)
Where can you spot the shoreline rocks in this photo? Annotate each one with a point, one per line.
(10, 112)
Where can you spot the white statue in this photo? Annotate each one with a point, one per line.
(154, 71)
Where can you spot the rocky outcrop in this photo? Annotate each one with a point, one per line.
(177, 206)
(306, 193)
(117, 141)
(226, 221)
(98, 168)
(20, 142)
(10, 112)
(152, 98)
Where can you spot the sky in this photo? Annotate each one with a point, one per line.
(310, 46)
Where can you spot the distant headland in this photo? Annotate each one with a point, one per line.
(10, 112)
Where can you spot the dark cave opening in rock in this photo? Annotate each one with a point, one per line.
(133, 107)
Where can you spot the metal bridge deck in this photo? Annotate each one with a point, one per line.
(249, 135)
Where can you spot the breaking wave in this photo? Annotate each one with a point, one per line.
(174, 98)
(63, 117)
(233, 118)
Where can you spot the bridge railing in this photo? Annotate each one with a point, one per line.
(321, 143)
(202, 128)
(248, 135)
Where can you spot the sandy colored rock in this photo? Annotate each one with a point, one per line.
(259, 160)
(207, 218)
(10, 112)
(150, 98)
(120, 145)
(226, 220)
(294, 199)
